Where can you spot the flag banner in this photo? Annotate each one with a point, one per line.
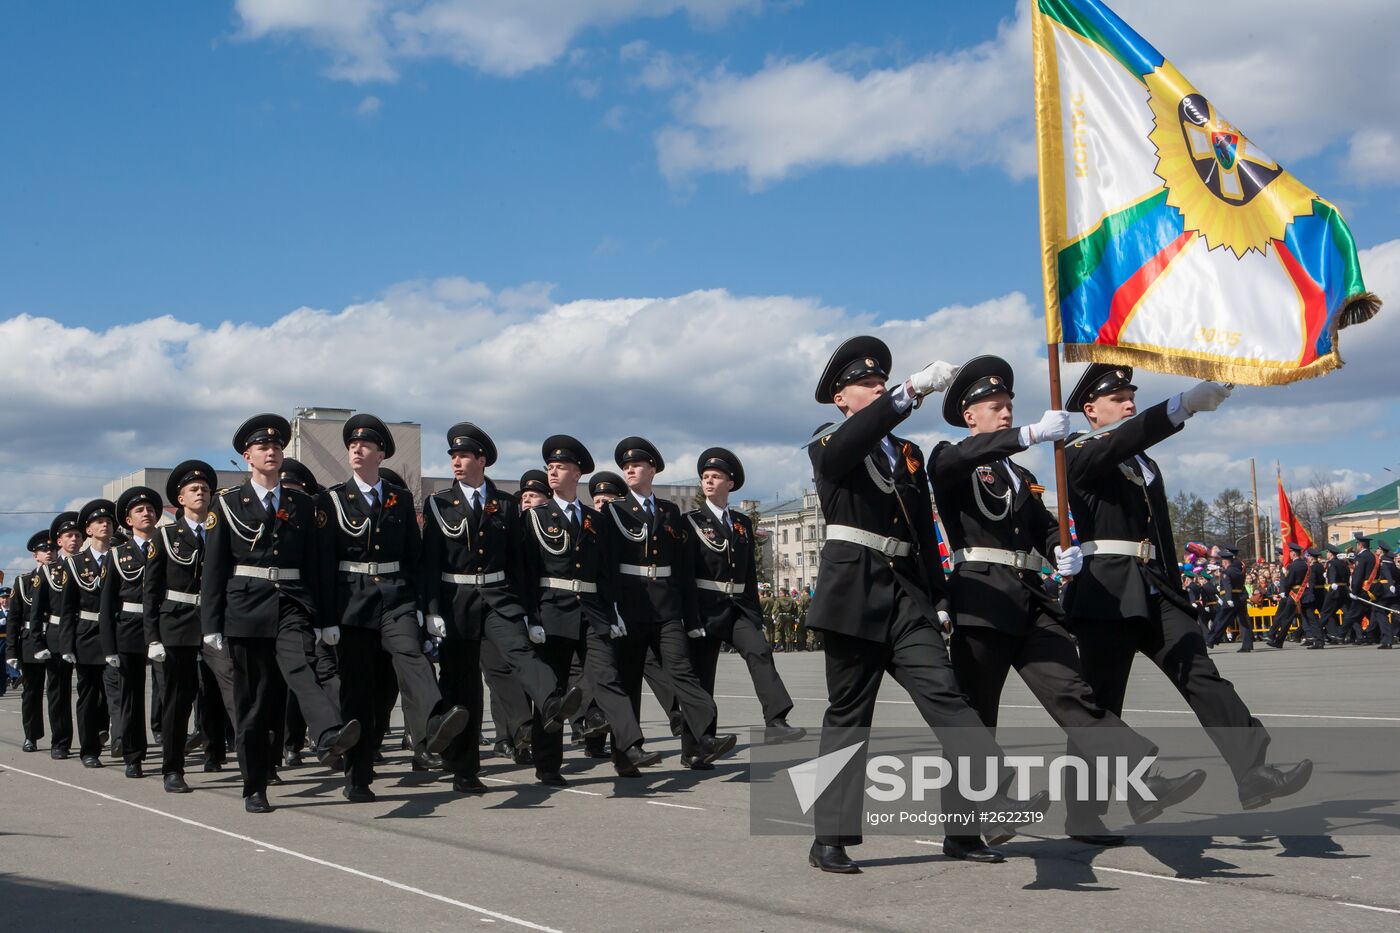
(1291, 529)
(1169, 240)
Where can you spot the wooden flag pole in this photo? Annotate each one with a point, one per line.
(1061, 481)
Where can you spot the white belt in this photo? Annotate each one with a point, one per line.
(189, 599)
(573, 586)
(89, 616)
(137, 608)
(1021, 560)
(267, 573)
(651, 573)
(55, 620)
(474, 579)
(890, 547)
(1142, 550)
(719, 586)
(370, 569)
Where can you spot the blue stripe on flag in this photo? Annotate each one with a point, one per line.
(1085, 310)
(1310, 240)
(1130, 45)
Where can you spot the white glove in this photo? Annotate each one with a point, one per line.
(1052, 426)
(619, 628)
(1068, 563)
(695, 632)
(43, 655)
(71, 658)
(155, 651)
(437, 626)
(215, 641)
(1205, 396)
(1333, 586)
(1230, 604)
(935, 377)
(945, 620)
(536, 633)
(114, 660)
(419, 613)
(330, 635)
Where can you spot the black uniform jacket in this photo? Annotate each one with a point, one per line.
(239, 531)
(856, 593)
(454, 543)
(79, 627)
(1109, 501)
(349, 530)
(724, 555)
(174, 565)
(550, 549)
(1365, 564)
(24, 629)
(632, 540)
(45, 606)
(122, 615)
(980, 508)
(1317, 584)
(1295, 577)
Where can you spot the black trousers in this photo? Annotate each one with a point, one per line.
(1352, 615)
(217, 715)
(1335, 602)
(668, 641)
(913, 653)
(1169, 638)
(180, 687)
(548, 747)
(31, 698)
(324, 666)
(92, 709)
(747, 639)
(361, 695)
(510, 707)
(1284, 616)
(388, 690)
(659, 682)
(157, 705)
(605, 690)
(1238, 614)
(131, 706)
(459, 680)
(1312, 620)
(59, 691)
(112, 702)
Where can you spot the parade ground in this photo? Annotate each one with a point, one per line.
(672, 850)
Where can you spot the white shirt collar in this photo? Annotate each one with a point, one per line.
(643, 500)
(194, 526)
(564, 505)
(470, 491)
(366, 489)
(139, 541)
(260, 492)
(719, 512)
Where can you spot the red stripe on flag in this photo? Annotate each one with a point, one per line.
(1314, 302)
(1130, 292)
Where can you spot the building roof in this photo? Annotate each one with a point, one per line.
(1377, 500)
(784, 508)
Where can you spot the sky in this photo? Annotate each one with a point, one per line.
(600, 217)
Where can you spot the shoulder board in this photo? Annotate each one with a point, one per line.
(223, 491)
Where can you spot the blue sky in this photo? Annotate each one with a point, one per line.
(233, 162)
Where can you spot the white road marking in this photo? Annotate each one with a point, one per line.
(678, 806)
(1148, 874)
(1384, 910)
(293, 853)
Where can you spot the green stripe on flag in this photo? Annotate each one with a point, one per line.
(1346, 245)
(1068, 15)
(1078, 261)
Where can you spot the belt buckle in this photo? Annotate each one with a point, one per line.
(476, 579)
(890, 547)
(274, 574)
(1021, 558)
(649, 572)
(576, 586)
(1144, 550)
(372, 568)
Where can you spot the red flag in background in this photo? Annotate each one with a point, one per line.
(1290, 527)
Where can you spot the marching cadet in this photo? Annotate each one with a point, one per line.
(474, 584)
(1363, 577)
(1315, 595)
(998, 529)
(66, 534)
(654, 591)
(369, 546)
(605, 486)
(1123, 603)
(1295, 588)
(881, 590)
(534, 489)
(1336, 579)
(1234, 601)
(1382, 622)
(565, 553)
(170, 610)
(24, 644)
(257, 596)
(296, 475)
(79, 630)
(723, 556)
(122, 619)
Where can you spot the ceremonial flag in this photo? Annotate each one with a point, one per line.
(1290, 527)
(1169, 240)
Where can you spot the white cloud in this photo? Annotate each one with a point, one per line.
(1372, 156)
(1273, 73)
(369, 39)
(369, 106)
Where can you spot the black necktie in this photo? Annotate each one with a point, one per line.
(724, 524)
(271, 510)
(374, 501)
(476, 508)
(882, 462)
(573, 519)
(199, 533)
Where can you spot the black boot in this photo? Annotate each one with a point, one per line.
(832, 858)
